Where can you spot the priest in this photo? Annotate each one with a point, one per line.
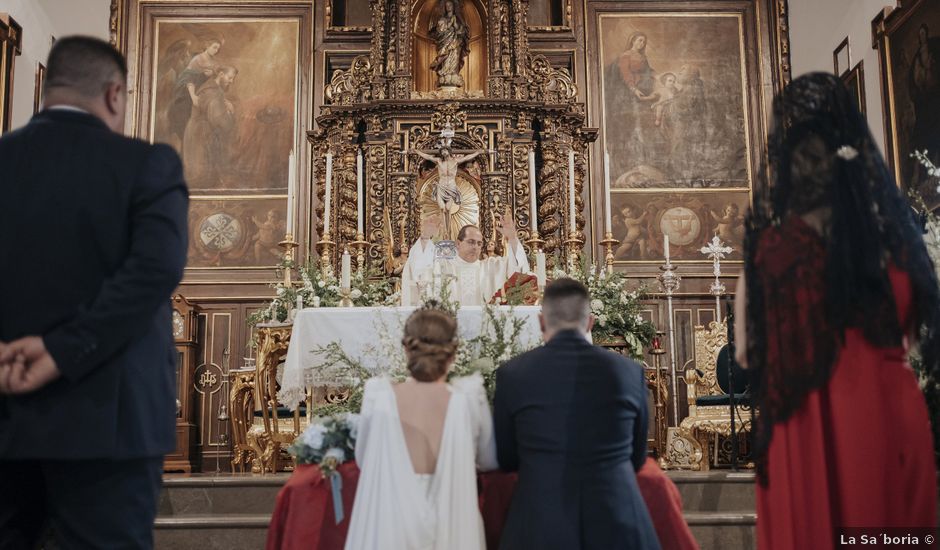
(475, 281)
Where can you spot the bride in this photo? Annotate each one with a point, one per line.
(419, 445)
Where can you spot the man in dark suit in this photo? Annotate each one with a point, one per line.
(92, 244)
(571, 418)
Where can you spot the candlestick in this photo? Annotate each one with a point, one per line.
(660, 397)
(345, 270)
(540, 269)
(325, 245)
(669, 280)
(327, 196)
(360, 200)
(607, 197)
(572, 221)
(291, 190)
(360, 245)
(533, 208)
(574, 244)
(288, 244)
(609, 243)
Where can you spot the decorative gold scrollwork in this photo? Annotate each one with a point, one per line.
(351, 86)
(548, 84)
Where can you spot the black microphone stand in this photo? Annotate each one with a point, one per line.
(729, 315)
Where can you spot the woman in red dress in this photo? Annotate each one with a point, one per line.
(837, 283)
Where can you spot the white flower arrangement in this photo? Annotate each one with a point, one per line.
(932, 169)
(320, 289)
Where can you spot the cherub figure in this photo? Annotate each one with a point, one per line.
(635, 236)
(269, 235)
(730, 223)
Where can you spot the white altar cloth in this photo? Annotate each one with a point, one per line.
(359, 331)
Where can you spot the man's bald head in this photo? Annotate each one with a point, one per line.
(89, 73)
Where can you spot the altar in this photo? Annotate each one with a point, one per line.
(370, 336)
(293, 368)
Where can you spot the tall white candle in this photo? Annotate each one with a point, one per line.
(345, 271)
(666, 246)
(607, 197)
(540, 268)
(534, 212)
(291, 191)
(327, 196)
(572, 216)
(360, 200)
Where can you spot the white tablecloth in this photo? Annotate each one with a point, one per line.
(368, 334)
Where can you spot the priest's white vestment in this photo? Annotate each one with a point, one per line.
(475, 282)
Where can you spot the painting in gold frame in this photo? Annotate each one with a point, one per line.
(228, 86)
(673, 89)
(908, 42)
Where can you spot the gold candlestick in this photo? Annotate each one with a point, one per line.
(325, 246)
(345, 299)
(360, 245)
(574, 244)
(660, 396)
(609, 243)
(289, 245)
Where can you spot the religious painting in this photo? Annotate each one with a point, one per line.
(224, 96)
(674, 100)
(228, 86)
(690, 219)
(909, 44)
(235, 233)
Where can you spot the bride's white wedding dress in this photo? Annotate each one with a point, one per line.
(397, 509)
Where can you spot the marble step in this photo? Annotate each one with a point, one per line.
(714, 491)
(713, 531)
(212, 532)
(226, 494)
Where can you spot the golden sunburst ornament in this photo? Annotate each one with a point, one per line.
(468, 214)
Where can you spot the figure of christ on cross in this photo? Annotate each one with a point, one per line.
(446, 193)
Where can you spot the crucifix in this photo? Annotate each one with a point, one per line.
(716, 250)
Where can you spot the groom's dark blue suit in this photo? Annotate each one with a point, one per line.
(572, 419)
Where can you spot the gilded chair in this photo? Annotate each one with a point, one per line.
(696, 442)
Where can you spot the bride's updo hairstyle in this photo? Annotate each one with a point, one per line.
(430, 343)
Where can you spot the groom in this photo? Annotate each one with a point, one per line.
(572, 419)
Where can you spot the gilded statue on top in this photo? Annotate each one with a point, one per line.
(452, 35)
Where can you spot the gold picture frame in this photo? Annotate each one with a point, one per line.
(905, 37)
(254, 60)
(11, 39)
(746, 61)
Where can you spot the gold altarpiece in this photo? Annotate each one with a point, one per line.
(380, 104)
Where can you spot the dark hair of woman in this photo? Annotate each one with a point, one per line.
(430, 343)
(823, 159)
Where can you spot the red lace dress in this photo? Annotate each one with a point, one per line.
(859, 451)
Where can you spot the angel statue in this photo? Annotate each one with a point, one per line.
(452, 35)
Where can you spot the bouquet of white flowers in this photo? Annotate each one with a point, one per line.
(328, 442)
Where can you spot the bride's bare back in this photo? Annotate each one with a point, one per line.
(422, 408)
